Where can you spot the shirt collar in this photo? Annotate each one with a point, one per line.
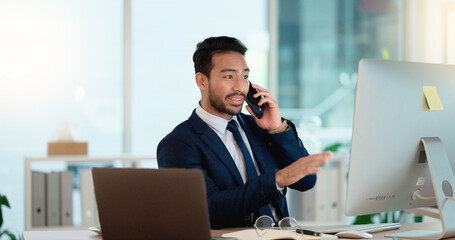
(217, 123)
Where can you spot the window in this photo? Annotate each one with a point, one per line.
(319, 45)
(164, 38)
(56, 59)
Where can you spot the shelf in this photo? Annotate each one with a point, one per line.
(57, 163)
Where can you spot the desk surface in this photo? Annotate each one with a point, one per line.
(89, 235)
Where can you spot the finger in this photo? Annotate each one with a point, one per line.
(264, 93)
(315, 159)
(323, 158)
(314, 170)
(261, 93)
(261, 89)
(262, 101)
(318, 162)
(317, 170)
(326, 154)
(268, 100)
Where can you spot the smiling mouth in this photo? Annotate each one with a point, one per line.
(236, 103)
(236, 98)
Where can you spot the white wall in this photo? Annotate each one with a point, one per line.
(164, 38)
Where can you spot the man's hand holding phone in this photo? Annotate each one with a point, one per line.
(271, 120)
(271, 117)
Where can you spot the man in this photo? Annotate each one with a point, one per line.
(247, 162)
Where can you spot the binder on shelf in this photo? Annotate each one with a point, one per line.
(89, 208)
(308, 205)
(38, 199)
(53, 199)
(66, 198)
(35, 189)
(301, 204)
(324, 202)
(333, 203)
(328, 193)
(322, 189)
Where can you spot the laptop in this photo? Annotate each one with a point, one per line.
(151, 203)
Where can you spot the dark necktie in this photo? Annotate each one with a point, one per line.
(250, 169)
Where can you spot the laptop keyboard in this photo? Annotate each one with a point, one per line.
(369, 228)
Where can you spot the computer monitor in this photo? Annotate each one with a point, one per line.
(401, 151)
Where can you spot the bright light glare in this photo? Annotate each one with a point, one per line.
(2, 71)
(20, 71)
(344, 78)
(36, 50)
(79, 93)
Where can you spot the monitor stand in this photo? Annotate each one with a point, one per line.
(443, 183)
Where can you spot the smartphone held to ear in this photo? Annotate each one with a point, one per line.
(254, 102)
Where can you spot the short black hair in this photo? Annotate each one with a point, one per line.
(205, 50)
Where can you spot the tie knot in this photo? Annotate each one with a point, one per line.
(232, 127)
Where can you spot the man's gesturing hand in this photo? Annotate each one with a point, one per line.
(299, 169)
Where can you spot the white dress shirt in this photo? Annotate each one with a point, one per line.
(219, 125)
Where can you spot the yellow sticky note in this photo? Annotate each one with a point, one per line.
(432, 98)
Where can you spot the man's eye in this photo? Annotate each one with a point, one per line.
(229, 76)
(245, 77)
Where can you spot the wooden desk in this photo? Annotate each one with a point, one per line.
(89, 235)
(63, 235)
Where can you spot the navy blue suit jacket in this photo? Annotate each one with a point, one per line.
(193, 144)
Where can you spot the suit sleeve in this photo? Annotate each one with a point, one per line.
(226, 207)
(286, 148)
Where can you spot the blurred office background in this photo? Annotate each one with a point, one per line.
(64, 61)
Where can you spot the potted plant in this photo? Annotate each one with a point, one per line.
(6, 232)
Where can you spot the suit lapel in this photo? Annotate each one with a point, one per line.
(262, 162)
(214, 142)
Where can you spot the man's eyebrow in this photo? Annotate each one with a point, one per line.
(234, 70)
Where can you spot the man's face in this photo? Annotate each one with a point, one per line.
(228, 84)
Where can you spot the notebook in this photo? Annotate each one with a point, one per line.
(151, 203)
(274, 234)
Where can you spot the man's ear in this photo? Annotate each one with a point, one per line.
(201, 81)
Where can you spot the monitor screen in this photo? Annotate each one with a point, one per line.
(387, 162)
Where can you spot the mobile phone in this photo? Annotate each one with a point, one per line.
(254, 102)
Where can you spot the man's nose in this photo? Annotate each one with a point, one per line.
(239, 85)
